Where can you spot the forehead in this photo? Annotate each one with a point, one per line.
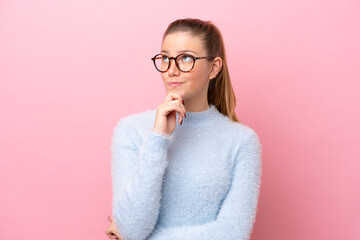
(179, 41)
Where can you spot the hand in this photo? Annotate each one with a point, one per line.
(112, 232)
(165, 120)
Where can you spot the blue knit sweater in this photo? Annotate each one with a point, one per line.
(200, 183)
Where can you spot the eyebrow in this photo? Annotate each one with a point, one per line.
(182, 51)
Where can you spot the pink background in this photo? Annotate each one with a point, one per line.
(69, 70)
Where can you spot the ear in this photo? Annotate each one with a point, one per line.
(215, 67)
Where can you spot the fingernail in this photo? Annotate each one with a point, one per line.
(181, 122)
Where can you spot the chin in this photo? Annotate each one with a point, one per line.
(174, 90)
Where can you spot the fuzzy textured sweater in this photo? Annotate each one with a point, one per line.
(200, 183)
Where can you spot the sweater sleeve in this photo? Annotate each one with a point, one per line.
(238, 210)
(137, 172)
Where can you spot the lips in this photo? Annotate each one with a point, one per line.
(175, 84)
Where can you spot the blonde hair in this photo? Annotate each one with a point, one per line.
(220, 91)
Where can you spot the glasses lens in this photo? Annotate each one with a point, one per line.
(185, 62)
(161, 62)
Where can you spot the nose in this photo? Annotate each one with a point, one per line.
(173, 70)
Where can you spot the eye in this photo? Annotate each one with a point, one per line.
(186, 58)
(164, 58)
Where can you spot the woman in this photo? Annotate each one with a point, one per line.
(188, 169)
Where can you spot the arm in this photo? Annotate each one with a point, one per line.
(137, 173)
(238, 210)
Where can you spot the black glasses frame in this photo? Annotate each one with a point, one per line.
(176, 63)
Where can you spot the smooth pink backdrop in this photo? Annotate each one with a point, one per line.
(69, 70)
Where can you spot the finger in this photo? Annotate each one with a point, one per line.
(183, 110)
(110, 233)
(169, 107)
(173, 96)
(174, 105)
(183, 107)
(179, 104)
(112, 236)
(181, 114)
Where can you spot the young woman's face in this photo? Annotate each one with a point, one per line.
(194, 83)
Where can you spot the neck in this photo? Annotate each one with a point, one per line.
(195, 107)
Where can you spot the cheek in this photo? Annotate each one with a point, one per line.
(199, 76)
(164, 77)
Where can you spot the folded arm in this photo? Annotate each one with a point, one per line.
(238, 210)
(137, 173)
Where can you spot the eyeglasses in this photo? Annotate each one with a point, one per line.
(184, 62)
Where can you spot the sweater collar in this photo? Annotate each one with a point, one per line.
(200, 118)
